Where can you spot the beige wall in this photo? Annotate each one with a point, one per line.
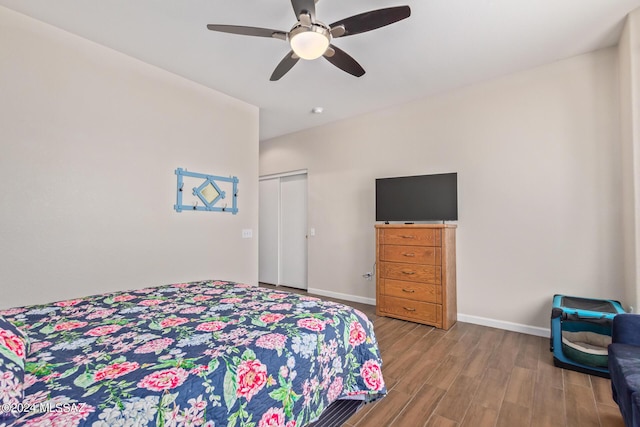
(629, 65)
(89, 141)
(538, 161)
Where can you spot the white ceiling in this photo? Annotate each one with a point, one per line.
(444, 44)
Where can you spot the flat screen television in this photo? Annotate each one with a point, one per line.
(417, 198)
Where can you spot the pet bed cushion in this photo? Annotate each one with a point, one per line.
(588, 348)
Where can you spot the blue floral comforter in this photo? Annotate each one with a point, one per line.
(194, 354)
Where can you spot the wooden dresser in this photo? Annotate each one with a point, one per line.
(416, 273)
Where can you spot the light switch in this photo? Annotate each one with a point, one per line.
(247, 233)
(312, 231)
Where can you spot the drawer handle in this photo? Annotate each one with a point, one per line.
(409, 308)
(408, 237)
(409, 255)
(408, 272)
(409, 291)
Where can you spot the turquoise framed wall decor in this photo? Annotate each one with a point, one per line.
(210, 192)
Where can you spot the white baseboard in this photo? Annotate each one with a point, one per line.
(508, 326)
(347, 297)
(476, 320)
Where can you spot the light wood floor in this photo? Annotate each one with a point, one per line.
(475, 376)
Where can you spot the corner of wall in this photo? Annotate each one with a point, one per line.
(629, 81)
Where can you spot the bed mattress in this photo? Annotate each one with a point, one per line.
(201, 353)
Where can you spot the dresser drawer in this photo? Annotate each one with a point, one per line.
(412, 254)
(415, 310)
(412, 290)
(411, 272)
(411, 236)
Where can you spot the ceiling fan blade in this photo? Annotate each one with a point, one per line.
(248, 31)
(304, 6)
(284, 66)
(345, 62)
(372, 20)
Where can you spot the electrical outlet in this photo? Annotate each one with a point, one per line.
(632, 309)
(247, 233)
(367, 275)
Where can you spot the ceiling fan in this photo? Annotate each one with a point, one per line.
(311, 39)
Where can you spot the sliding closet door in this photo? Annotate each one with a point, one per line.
(269, 230)
(293, 231)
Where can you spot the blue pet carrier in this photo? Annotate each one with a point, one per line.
(580, 333)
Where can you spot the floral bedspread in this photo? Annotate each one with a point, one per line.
(194, 354)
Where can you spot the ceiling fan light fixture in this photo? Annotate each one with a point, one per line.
(310, 39)
(309, 42)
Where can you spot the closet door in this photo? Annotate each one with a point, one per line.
(293, 231)
(269, 230)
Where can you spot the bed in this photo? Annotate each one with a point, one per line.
(211, 353)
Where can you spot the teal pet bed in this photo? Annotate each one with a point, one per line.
(581, 333)
(587, 348)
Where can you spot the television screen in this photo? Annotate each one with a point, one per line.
(417, 198)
